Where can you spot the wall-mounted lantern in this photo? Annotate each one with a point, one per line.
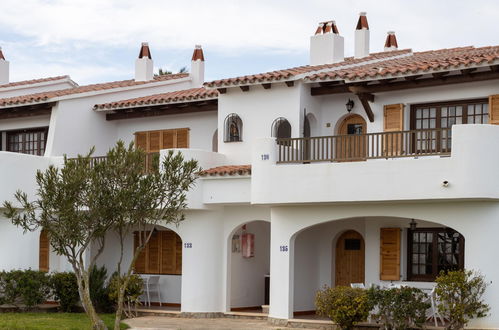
(349, 105)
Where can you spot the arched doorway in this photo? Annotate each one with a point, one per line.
(350, 259)
(352, 142)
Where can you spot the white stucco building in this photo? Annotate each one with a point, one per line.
(378, 168)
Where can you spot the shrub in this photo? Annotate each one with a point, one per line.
(460, 297)
(399, 308)
(345, 306)
(28, 287)
(132, 292)
(99, 292)
(65, 290)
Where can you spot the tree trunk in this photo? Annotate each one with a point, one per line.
(84, 291)
(119, 307)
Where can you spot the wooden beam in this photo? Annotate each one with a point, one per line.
(162, 110)
(419, 83)
(364, 99)
(27, 111)
(290, 83)
(440, 74)
(412, 78)
(330, 83)
(468, 71)
(222, 90)
(267, 86)
(244, 88)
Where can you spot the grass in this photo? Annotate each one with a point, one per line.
(46, 321)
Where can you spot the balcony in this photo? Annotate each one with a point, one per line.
(346, 148)
(151, 161)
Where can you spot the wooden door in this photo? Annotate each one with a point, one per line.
(350, 254)
(351, 145)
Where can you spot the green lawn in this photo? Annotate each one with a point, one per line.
(46, 321)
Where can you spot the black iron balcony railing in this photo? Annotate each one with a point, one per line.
(345, 148)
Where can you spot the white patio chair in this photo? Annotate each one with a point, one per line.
(435, 314)
(357, 285)
(151, 285)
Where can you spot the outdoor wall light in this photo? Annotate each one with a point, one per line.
(413, 224)
(349, 105)
(445, 183)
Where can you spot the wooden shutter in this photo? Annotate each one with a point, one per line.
(153, 254)
(183, 138)
(393, 121)
(141, 140)
(154, 141)
(168, 252)
(44, 253)
(494, 109)
(168, 139)
(140, 263)
(390, 254)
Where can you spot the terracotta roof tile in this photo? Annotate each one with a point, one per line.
(228, 170)
(281, 75)
(187, 95)
(42, 97)
(34, 81)
(416, 63)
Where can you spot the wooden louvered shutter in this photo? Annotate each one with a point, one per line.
(141, 140)
(183, 138)
(140, 263)
(390, 254)
(153, 252)
(154, 141)
(494, 109)
(178, 255)
(393, 121)
(168, 139)
(44, 253)
(168, 252)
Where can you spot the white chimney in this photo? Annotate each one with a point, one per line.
(391, 42)
(326, 46)
(144, 64)
(362, 37)
(4, 69)
(197, 67)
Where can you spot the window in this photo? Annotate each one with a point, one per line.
(281, 128)
(154, 141)
(162, 255)
(28, 141)
(444, 115)
(233, 128)
(431, 250)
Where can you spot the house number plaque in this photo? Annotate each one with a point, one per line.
(188, 245)
(265, 157)
(283, 248)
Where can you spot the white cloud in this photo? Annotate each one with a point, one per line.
(227, 28)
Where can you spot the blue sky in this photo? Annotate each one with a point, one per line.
(98, 40)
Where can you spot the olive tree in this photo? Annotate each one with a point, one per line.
(67, 207)
(139, 198)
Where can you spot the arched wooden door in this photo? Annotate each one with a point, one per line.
(352, 143)
(350, 255)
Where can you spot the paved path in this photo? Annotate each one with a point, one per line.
(160, 322)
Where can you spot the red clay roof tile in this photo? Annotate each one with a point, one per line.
(228, 170)
(34, 81)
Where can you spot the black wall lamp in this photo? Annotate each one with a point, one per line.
(413, 224)
(349, 105)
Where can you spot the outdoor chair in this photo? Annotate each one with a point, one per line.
(151, 286)
(435, 314)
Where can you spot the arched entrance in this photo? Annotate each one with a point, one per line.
(350, 259)
(352, 143)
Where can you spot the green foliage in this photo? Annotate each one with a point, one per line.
(343, 305)
(99, 292)
(132, 291)
(24, 287)
(65, 290)
(162, 72)
(399, 308)
(51, 321)
(460, 297)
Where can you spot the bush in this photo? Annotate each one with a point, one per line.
(99, 292)
(132, 292)
(460, 297)
(345, 306)
(28, 287)
(399, 308)
(65, 290)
